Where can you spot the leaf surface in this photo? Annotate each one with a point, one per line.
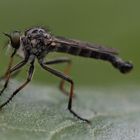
(40, 113)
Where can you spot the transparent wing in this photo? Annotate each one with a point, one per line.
(84, 45)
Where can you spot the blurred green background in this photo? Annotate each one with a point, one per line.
(114, 23)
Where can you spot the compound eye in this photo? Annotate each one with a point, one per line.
(14, 38)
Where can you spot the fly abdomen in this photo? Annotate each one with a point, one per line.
(117, 62)
(122, 66)
(69, 49)
(74, 50)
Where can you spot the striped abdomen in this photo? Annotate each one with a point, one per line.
(118, 63)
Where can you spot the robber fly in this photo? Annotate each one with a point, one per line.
(37, 42)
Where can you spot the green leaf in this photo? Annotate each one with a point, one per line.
(40, 113)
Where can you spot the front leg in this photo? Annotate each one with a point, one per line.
(30, 74)
(10, 63)
(68, 79)
(12, 74)
(16, 67)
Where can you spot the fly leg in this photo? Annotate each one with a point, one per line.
(16, 67)
(12, 75)
(10, 64)
(68, 79)
(66, 71)
(30, 74)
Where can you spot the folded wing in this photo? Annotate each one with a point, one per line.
(81, 48)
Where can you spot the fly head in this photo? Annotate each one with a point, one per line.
(14, 39)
